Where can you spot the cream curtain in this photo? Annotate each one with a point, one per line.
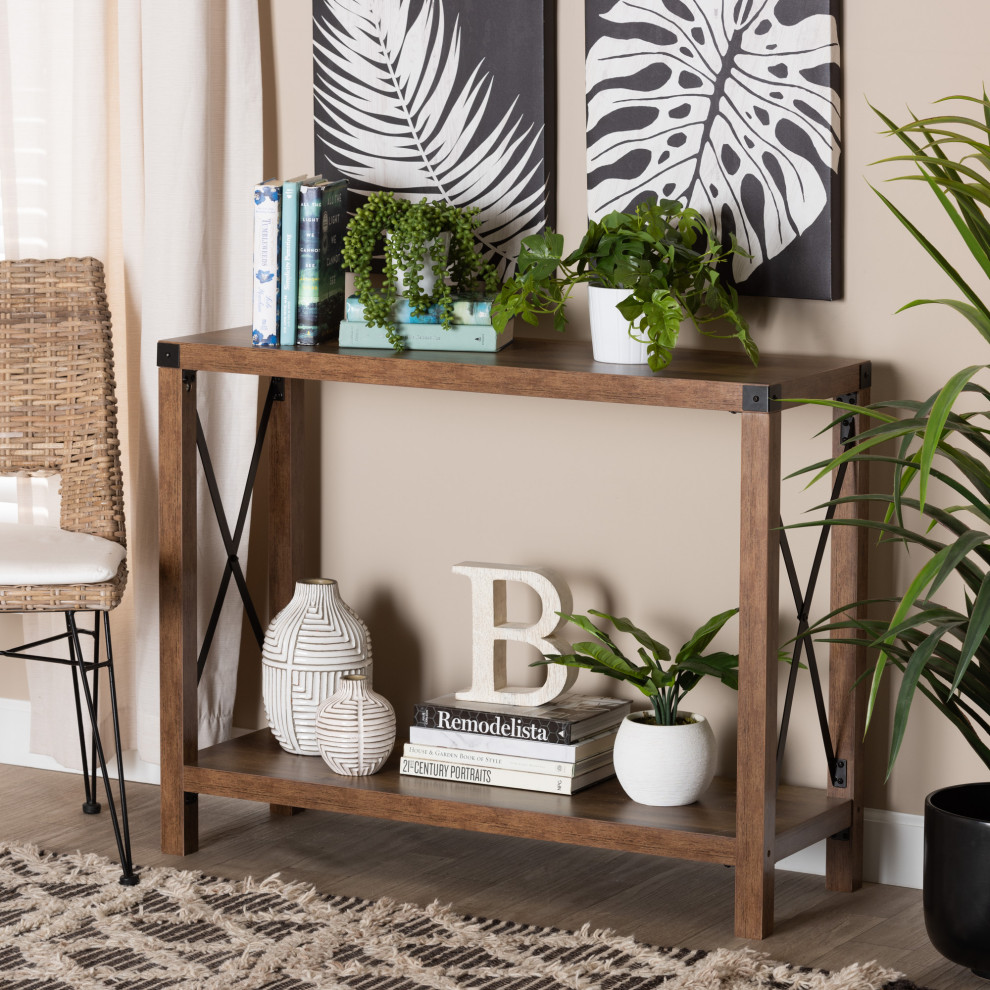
(132, 131)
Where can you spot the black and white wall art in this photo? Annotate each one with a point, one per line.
(450, 99)
(733, 107)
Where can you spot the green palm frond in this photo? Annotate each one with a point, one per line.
(942, 652)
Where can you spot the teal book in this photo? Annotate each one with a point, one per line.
(290, 258)
(467, 309)
(426, 336)
(320, 285)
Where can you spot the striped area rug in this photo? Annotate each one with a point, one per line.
(66, 924)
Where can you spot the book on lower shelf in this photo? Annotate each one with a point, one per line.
(266, 263)
(426, 336)
(583, 749)
(570, 717)
(464, 773)
(506, 761)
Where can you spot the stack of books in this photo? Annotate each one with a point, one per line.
(471, 327)
(558, 748)
(299, 229)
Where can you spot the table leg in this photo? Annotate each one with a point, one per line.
(177, 605)
(756, 774)
(847, 706)
(286, 521)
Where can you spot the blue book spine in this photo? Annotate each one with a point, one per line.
(322, 221)
(267, 244)
(290, 262)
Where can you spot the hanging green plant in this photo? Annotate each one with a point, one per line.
(418, 240)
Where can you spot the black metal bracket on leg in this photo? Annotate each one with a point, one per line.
(802, 601)
(231, 541)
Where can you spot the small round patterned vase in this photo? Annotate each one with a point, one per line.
(314, 640)
(355, 728)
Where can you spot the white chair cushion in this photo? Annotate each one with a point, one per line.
(43, 555)
(31, 497)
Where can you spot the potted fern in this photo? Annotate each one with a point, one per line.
(940, 448)
(430, 254)
(648, 270)
(663, 756)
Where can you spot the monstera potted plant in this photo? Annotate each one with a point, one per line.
(936, 631)
(648, 271)
(430, 253)
(663, 756)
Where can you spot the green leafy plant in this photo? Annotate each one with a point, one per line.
(404, 232)
(662, 252)
(942, 650)
(664, 680)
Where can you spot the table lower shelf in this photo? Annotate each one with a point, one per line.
(254, 767)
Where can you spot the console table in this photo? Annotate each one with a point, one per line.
(749, 822)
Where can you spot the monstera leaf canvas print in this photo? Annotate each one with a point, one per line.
(450, 99)
(731, 106)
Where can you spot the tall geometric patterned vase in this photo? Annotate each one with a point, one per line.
(314, 640)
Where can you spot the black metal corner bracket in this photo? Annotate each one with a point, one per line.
(848, 427)
(168, 355)
(761, 398)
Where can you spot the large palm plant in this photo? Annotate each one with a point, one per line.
(942, 649)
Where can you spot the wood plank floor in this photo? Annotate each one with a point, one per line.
(660, 901)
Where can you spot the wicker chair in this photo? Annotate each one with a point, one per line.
(58, 414)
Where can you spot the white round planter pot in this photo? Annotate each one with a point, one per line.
(427, 281)
(610, 340)
(664, 765)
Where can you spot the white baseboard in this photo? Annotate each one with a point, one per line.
(893, 850)
(15, 731)
(893, 843)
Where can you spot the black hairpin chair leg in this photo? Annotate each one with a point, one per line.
(90, 695)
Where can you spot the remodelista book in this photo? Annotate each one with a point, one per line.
(503, 761)
(570, 717)
(602, 742)
(494, 777)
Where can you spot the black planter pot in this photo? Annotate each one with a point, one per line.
(957, 874)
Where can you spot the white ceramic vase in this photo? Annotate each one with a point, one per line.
(314, 640)
(355, 728)
(664, 765)
(610, 340)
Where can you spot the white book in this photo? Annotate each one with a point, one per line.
(462, 773)
(477, 742)
(503, 761)
(267, 263)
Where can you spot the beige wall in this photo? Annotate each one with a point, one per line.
(636, 507)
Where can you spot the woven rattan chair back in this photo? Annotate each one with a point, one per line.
(58, 409)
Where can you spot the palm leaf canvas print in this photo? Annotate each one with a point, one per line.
(731, 106)
(450, 99)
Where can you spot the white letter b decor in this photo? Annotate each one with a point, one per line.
(491, 630)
